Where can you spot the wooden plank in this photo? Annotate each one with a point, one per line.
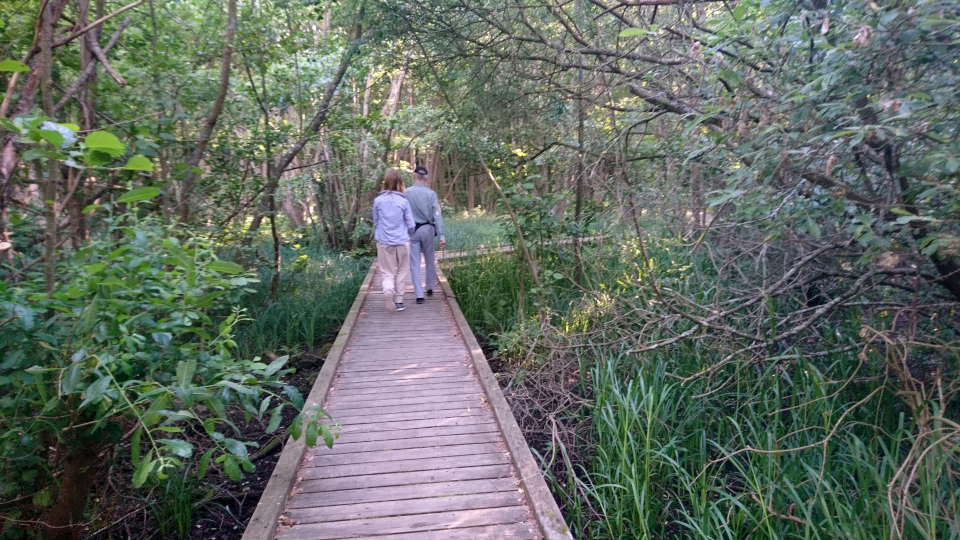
(409, 465)
(402, 367)
(387, 427)
(337, 404)
(445, 405)
(474, 501)
(322, 460)
(430, 429)
(542, 504)
(363, 394)
(399, 493)
(511, 531)
(435, 441)
(263, 523)
(416, 415)
(405, 384)
(403, 479)
(440, 521)
(407, 375)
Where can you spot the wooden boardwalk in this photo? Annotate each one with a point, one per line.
(428, 448)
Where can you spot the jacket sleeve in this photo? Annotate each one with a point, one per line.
(376, 215)
(437, 217)
(408, 217)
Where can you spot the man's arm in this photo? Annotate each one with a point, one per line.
(438, 219)
(408, 217)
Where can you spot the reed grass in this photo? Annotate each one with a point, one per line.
(314, 293)
(763, 457)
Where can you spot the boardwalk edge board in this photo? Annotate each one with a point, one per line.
(266, 517)
(541, 501)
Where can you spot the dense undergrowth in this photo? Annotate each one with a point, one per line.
(827, 436)
(313, 297)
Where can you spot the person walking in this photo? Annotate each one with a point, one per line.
(392, 223)
(429, 224)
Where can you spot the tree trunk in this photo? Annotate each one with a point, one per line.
(61, 521)
(203, 139)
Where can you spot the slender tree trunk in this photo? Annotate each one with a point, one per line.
(206, 132)
(79, 473)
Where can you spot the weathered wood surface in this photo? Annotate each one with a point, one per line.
(420, 454)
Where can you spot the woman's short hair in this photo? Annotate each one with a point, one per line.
(392, 181)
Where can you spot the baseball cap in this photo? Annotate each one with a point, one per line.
(420, 170)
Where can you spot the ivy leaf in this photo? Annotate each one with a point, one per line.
(630, 32)
(138, 163)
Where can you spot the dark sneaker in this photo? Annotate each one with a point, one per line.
(419, 300)
(400, 307)
(429, 292)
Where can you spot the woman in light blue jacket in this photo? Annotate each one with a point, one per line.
(392, 223)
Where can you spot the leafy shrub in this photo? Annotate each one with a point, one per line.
(127, 348)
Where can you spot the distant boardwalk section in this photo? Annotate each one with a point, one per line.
(428, 447)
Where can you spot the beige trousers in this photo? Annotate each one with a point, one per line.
(394, 264)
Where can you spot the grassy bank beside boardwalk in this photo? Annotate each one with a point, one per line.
(804, 443)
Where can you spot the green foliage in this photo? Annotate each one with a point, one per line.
(312, 299)
(130, 343)
(470, 230)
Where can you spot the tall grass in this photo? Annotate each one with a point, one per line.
(314, 294)
(475, 229)
(793, 449)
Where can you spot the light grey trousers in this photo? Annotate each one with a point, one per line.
(422, 241)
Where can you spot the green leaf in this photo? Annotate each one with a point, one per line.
(295, 396)
(185, 371)
(276, 365)
(275, 419)
(52, 137)
(630, 32)
(139, 163)
(95, 391)
(139, 194)
(231, 468)
(178, 447)
(327, 436)
(144, 470)
(738, 12)
(135, 447)
(13, 66)
(105, 142)
(225, 267)
(311, 439)
(43, 498)
(236, 448)
(204, 463)
(71, 377)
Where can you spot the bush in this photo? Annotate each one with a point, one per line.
(126, 349)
